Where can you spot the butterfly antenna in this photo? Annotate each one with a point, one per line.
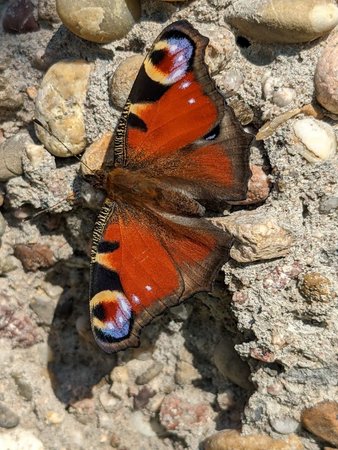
(69, 198)
(38, 123)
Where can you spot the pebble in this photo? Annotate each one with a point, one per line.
(220, 48)
(142, 397)
(123, 79)
(11, 154)
(242, 111)
(321, 420)
(327, 204)
(20, 440)
(257, 235)
(316, 287)
(229, 363)
(44, 308)
(231, 440)
(284, 425)
(154, 370)
(258, 187)
(19, 17)
(59, 107)
(283, 96)
(317, 139)
(186, 373)
(120, 374)
(11, 100)
(326, 75)
(285, 21)
(8, 418)
(232, 80)
(2, 225)
(93, 157)
(24, 387)
(54, 418)
(34, 256)
(177, 413)
(102, 21)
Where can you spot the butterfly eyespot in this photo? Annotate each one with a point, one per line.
(157, 56)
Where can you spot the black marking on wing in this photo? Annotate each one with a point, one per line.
(107, 247)
(213, 134)
(104, 280)
(145, 89)
(99, 312)
(135, 121)
(156, 56)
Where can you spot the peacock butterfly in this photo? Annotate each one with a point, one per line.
(177, 147)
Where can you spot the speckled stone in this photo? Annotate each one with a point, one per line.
(257, 236)
(93, 157)
(60, 107)
(286, 21)
(326, 75)
(102, 21)
(316, 287)
(321, 420)
(123, 79)
(284, 425)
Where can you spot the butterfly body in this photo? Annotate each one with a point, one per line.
(177, 148)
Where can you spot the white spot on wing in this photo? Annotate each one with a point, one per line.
(148, 288)
(191, 101)
(135, 298)
(185, 85)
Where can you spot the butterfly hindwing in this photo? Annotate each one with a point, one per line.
(143, 263)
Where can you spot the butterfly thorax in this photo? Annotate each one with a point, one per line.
(139, 189)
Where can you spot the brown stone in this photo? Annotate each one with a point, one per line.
(321, 420)
(34, 256)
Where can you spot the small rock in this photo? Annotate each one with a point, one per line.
(142, 397)
(11, 154)
(154, 370)
(120, 374)
(321, 420)
(123, 79)
(186, 373)
(316, 287)
(24, 387)
(283, 96)
(231, 440)
(54, 418)
(19, 17)
(34, 256)
(229, 363)
(60, 107)
(232, 80)
(242, 111)
(326, 75)
(317, 138)
(257, 236)
(179, 414)
(286, 21)
(17, 327)
(93, 157)
(2, 225)
(141, 424)
(44, 308)
(102, 21)
(20, 440)
(8, 419)
(284, 425)
(258, 187)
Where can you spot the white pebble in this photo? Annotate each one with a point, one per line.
(232, 80)
(283, 96)
(318, 139)
(141, 424)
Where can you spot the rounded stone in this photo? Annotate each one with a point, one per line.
(59, 107)
(285, 21)
(317, 138)
(11, 154)
(19, 17)
(284, 425)
(101, 21)
(123, 79)
(316, 287)
(326, 76)
(8, 418)
(321, 420)
(283, 96)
